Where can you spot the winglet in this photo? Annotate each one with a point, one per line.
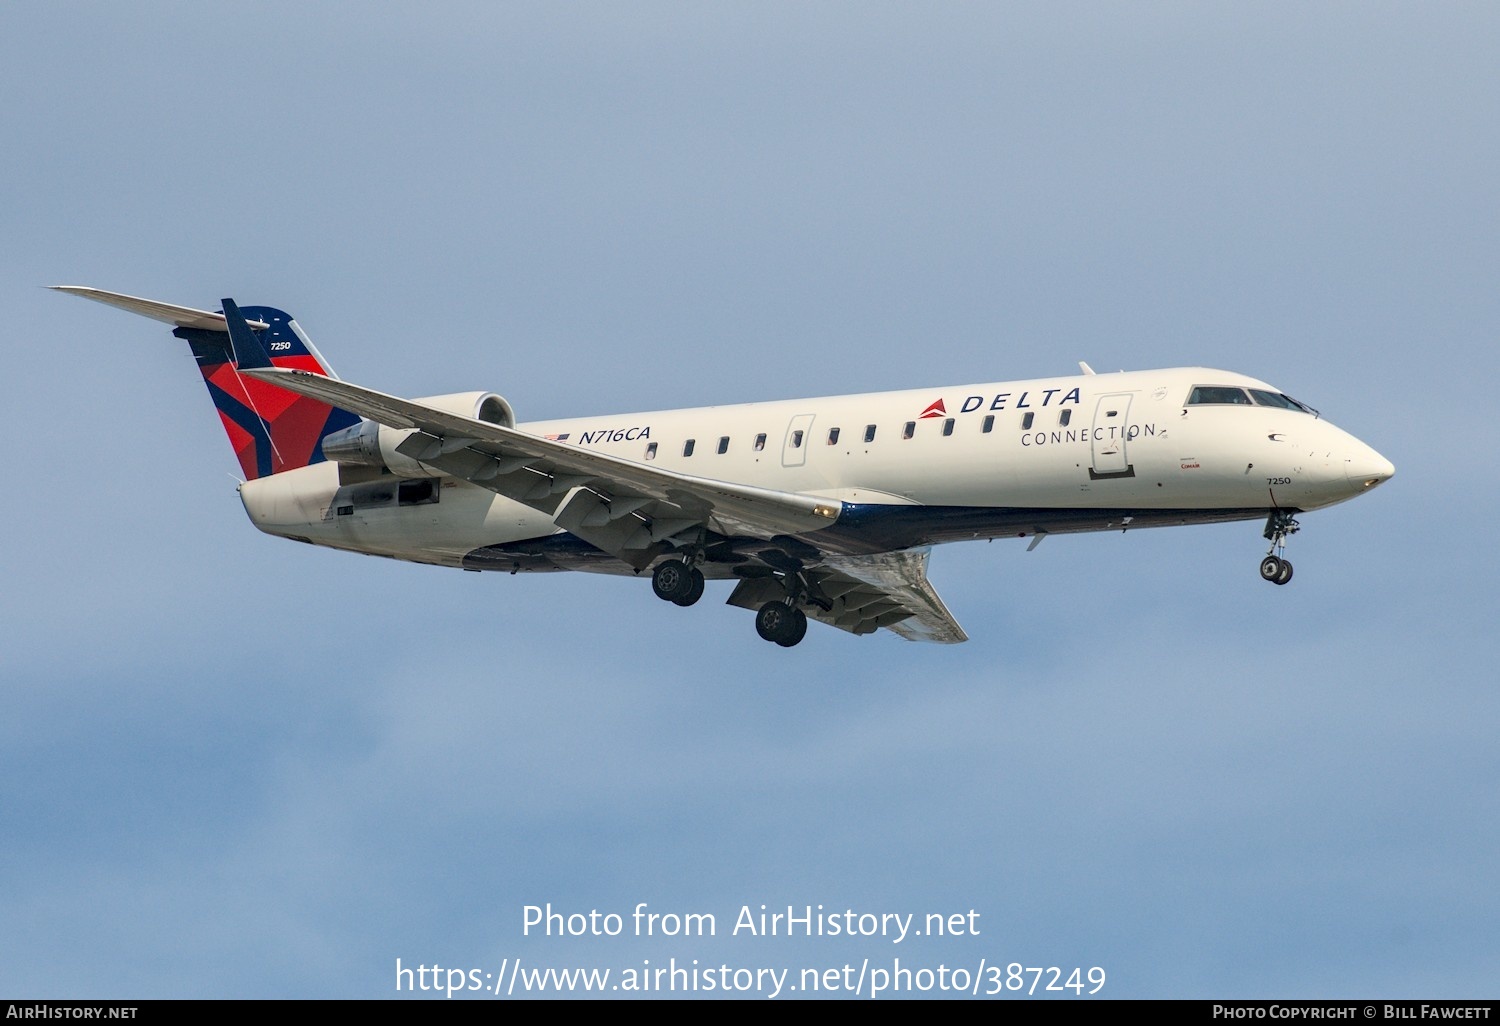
(249, 354)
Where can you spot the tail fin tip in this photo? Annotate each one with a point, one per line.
(249, 354)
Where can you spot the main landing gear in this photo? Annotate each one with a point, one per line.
(782, 623)
(1275, 567)
(781, 620)
(677, 582)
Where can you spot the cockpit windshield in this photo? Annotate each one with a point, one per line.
(1229, 395)
(1280, 401)
(1218, 395)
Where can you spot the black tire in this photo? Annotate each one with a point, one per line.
(798, 631)
(695, 592)
(1286, 572)
(1270, 568)
(671, 580)
(774, 621)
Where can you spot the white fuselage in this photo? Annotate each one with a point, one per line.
(998, 459)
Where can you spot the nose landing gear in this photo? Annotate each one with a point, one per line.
(1276, 568)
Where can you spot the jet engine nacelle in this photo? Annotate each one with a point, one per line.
(368, 444)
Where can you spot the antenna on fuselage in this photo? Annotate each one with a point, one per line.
(1085, 367)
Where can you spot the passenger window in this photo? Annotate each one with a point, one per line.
(869, 433)
(909, 430)
(760, 441)
(1027, 421)
(833, 436)
(989, 423)
(687, 447)
(947, 427)
(723, 445)
(1064, 417)
(797, 439)
(651, 451)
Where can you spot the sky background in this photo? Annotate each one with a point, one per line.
(232, 766)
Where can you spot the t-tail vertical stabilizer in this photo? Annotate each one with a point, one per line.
(269, 428)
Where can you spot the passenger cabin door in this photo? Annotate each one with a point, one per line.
(1108, 439)
(798, 435)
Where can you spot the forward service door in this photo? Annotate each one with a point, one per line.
(1108, 438)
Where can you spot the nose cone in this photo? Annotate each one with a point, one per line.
(1366, 468)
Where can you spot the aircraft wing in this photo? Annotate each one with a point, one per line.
(626, 508)
(866, 593)
(632, 510)
(618, 505)
(900, 577)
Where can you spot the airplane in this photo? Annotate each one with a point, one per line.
(823, 509)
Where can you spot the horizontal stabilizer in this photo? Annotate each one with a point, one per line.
(182, 316)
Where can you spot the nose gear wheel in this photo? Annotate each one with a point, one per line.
(1276, 570)
(1275, 567)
